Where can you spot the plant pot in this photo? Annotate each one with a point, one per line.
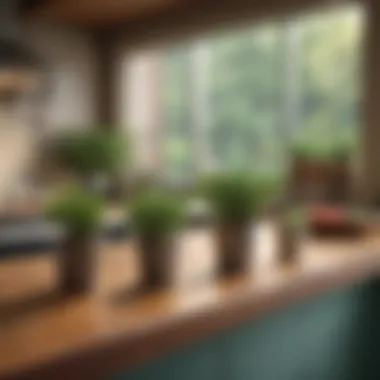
(234, 248)
(339, 181)
(320, 180)
(157, 262)
(286, 243)
(77, 264)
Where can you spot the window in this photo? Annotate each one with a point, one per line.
(239, 100)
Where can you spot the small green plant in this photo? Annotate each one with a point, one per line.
(340, 150)
(156, 214)
(235, 197)
(91, 152)
(78, 210)
(306, 150)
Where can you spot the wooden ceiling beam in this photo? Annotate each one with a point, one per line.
(206, 17)
(108, 14)
(97, 13)
(137, 22)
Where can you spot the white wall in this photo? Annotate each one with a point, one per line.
(70, 76)
(69, 101)
(139, 106)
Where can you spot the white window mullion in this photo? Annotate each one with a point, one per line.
(200, 108)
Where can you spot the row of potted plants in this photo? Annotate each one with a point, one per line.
(235, 201)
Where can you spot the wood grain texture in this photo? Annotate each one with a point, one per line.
(42, 337)
(97, 11)
(176, 14)
(211, 18)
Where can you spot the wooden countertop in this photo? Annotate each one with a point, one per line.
(42, 337)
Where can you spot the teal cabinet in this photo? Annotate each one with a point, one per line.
(332, 337)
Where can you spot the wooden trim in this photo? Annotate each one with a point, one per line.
(95, 12)
(198, 19)
(98, 14)
(106, 62)
(370, 133)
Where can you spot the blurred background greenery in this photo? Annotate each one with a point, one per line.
(264, 88)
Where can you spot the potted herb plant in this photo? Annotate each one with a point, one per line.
(156, 217)
(91, 156)
(80, 214)
(321, 171)
(234, 199)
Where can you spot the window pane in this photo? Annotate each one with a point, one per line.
(244, 89)
(177, 114)
(239, 100)
(330, 76)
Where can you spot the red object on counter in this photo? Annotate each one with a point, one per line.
(333, 221)
(328, 215)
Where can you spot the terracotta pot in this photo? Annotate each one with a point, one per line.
(77, 264)
(234, 248)
(287, 243)
(157, 260)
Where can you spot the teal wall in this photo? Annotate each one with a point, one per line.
(333, 337)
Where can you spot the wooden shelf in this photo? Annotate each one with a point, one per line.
(42, 337)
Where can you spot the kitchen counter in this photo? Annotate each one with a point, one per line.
(43, 337)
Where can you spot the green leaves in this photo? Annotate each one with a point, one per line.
(235, 197)
(157, 214)
(78, 210)
(326, 151)
(91, 152)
